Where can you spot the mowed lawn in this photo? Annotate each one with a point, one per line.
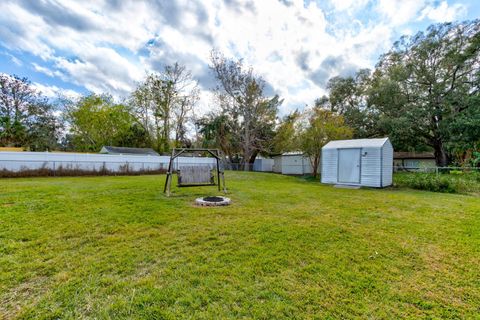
(116, 247)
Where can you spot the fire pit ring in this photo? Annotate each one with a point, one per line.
(213, 201)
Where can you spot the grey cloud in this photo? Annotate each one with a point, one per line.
(320, 77)
(12, 34)
(330, 67)
(55, 14)
(274, 56)
(287, 3)
(332, 63)
(171, 13)
(269, 90)
(302, 60)
(205, 78)
(199, 68)
(241, 6)
(115, 4)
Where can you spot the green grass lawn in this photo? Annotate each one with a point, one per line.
(116, 247)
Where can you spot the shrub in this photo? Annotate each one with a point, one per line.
(449, 183)
(426, 181)
(476, 176)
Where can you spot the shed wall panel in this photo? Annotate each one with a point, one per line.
(371, 167)
(387, 159)
(277, 164)
(329, 166)
(264, 165)
(293, 165)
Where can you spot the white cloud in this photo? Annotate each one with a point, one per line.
(400, 12)
(54, 91)
(349, 5)
(444, 12)
(12, 58)
(46, 71)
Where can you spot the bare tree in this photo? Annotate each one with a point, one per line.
(183, 114)
(243, 101)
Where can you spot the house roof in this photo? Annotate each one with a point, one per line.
(10, 149)
(124, 150)
(356, 143)
(293, 153)
(286, 154)
(413, 155)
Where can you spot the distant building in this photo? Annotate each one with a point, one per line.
(292, 163)
(129, 151)
(413, 160)
(263, 164)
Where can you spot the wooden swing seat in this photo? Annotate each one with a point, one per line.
(190, 176)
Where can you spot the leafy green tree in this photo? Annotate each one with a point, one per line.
(426, 82)
(321, 127)
(464, 130)
(348, 97)
(27, 119)
(96, 121)
(285, 138)
(217, 132)
(44, 128)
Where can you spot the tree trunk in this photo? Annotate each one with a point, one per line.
(314, 162)
(252, 158)
(246, 149)
(441, 156)
(165, 138)
(315, 165)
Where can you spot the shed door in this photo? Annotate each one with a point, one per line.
(349, 165)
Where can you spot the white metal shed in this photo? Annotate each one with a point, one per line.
(277, 164)
(362, 162)
(292, 163)
(263, 165)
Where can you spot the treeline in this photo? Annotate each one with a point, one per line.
(423, 94)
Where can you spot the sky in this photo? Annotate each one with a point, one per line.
(74, 48)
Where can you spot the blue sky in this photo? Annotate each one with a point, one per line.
(75, 47)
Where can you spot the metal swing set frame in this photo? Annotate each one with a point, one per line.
(176, 152)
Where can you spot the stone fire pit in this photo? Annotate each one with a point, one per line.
(213, 201)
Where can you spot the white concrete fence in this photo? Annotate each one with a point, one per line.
(19, 164)
(50, 163)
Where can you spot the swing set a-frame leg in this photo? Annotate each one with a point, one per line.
(168, 181)
(223, 180)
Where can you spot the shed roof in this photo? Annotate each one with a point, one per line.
(124, 150)
(356, 143)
